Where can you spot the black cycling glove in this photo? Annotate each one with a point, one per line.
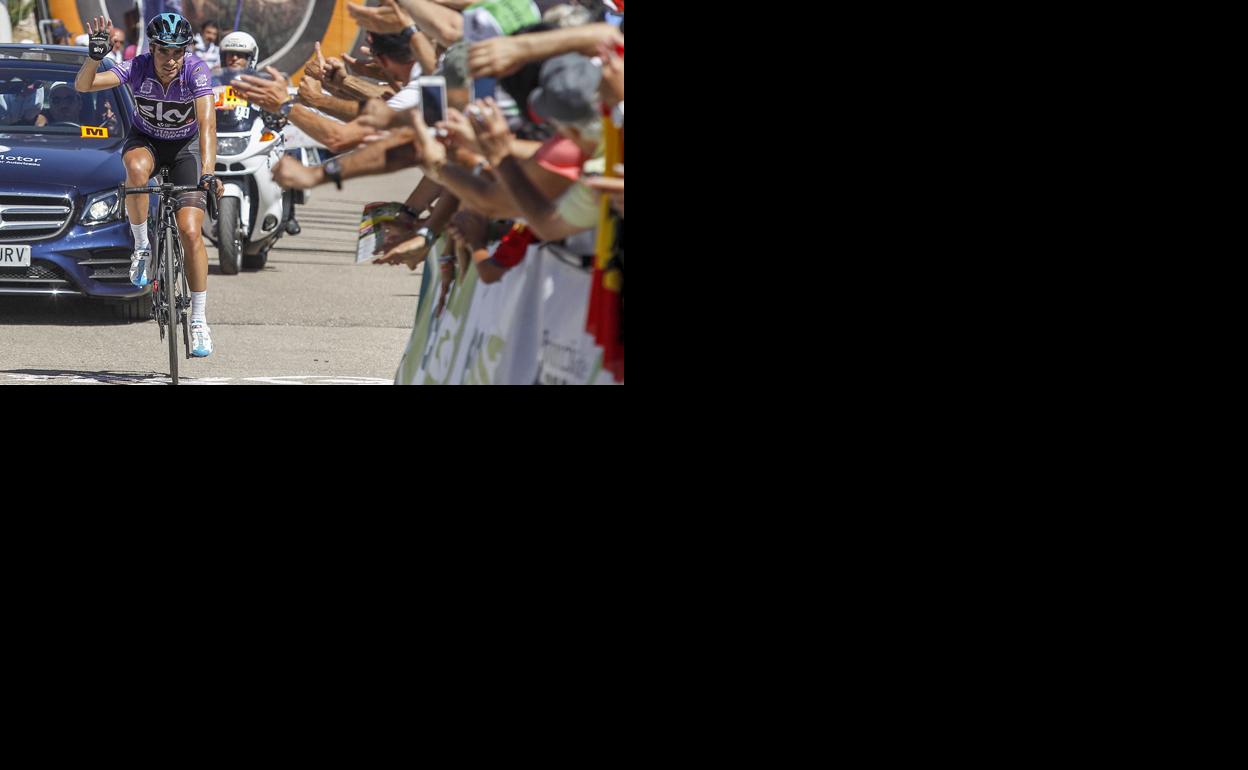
(98, 45)
(209, 183)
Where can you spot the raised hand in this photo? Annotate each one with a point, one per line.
(98, 34)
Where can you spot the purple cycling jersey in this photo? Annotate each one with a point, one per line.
(165, 113)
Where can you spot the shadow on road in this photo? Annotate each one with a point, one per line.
(107, 378)
(59, 311)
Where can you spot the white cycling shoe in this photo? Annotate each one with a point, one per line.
(138, 266)
(201, 340)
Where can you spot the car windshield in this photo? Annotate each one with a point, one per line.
(34, 101)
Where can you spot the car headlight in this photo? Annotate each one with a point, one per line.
(101, 207)
(232, 145)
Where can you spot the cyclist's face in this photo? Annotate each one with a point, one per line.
(168, 59)
(236, 60)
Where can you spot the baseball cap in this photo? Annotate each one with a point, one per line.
(455, 66)
(561, 156)
(567, 89)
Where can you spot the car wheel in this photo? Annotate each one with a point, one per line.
(138, 309)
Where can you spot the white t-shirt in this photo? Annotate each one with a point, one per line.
(409, 96)
(209, 54)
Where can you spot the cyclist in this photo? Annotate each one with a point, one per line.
(175, 125)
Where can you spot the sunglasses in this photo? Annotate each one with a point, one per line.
(173, 53)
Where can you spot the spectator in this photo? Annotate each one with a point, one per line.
(59, 34)
(568, 97)
(444, 25)
(117, 39)
(396, 58)
(132, 49)
(495, 179)
(395, 55)
(206, 47)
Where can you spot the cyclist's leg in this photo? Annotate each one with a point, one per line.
(190, 213)
(139, 158)
(185, 170)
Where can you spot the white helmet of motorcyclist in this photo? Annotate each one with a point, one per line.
(241, 43)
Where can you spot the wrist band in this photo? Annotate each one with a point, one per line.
(333, 170)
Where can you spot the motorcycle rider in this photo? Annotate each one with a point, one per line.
(239, 54)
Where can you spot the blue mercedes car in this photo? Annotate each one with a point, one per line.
(62, 228)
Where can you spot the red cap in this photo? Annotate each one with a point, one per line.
(561, 156)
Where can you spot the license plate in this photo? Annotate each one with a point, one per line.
(12, 255)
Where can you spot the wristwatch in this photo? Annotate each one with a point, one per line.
(333, 170)
(408, 31)
(285, 109)
(425, 231)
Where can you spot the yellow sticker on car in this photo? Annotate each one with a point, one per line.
(95, 132)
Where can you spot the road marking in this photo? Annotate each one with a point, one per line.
(76, 378)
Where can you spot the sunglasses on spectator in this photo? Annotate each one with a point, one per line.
(175, 53)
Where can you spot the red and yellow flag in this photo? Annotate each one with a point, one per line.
(605, 317)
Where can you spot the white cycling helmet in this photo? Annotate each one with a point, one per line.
(241, 42)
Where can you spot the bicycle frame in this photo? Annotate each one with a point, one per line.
(171, 295)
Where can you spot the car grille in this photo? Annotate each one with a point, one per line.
(32, 217)
(39, 278)
(109, 265)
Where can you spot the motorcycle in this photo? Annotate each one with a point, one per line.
(254, 211)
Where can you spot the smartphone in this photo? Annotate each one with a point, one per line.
(483, 87)
(433, 99)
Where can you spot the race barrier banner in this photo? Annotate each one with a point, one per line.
(529, 327)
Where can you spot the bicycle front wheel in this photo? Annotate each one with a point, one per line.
(171, 299)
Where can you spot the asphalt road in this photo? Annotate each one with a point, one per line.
(312, 316)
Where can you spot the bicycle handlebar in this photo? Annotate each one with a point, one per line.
(173, 189)
(169, 189)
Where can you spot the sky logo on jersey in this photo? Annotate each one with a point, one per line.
(162, 114)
